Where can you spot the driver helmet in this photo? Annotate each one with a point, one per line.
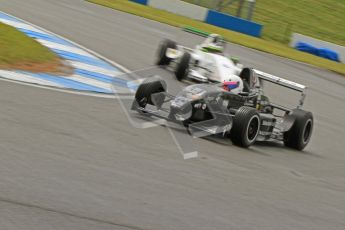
(230, 85)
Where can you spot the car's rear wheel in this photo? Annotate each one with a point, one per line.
(246, 127)
(162, 59)
(183, 67)
(300, 133)
(145, 94)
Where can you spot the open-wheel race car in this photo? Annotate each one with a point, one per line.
(245, 117)
(205, 63)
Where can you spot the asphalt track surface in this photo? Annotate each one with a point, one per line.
(74, 162)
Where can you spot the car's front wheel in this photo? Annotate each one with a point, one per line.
(183, 67)
(148, 93)
(162, 59)
(246, 127)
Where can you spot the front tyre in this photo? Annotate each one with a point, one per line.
(300, 133)
(162, 59)
(183, 67)
(145, 92)
(246, 127)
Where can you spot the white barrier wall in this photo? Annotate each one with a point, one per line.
(319, 44)
(180, 8)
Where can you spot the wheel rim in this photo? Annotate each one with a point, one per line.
(307, 131)
(253, 128)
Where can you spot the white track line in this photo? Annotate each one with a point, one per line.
(20, 25)
(93, 82)
(91, 68)
(71, 49)
(27, 78)
(90, 81)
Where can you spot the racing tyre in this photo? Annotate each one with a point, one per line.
(144, 93)
(300, 133)
(183, 67)
(246, 127)
(162, 59)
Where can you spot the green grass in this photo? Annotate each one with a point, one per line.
(248, 41)
(322, 19)
(16, 49)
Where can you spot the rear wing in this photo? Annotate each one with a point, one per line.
(281, 81)
(284, 82)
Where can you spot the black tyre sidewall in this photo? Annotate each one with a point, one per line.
(162, 59)
(145, 90)
(241, 122)
(295, 137)
(183, 67)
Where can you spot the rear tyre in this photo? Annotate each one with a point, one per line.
(300, 133)
(183, 67)
(162, 59)
(246, 127)
(143, 95)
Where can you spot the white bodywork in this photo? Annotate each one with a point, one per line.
(215, 68)
(208, 67)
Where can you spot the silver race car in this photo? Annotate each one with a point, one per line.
(246, 117)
